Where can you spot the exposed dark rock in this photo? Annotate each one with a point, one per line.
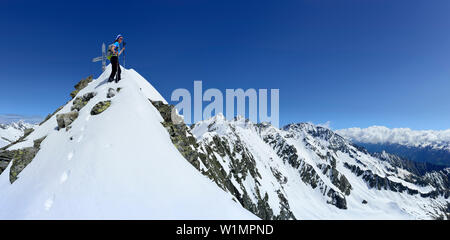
(100, 107)
(179, 134)
(168, 113)
(80, 85)
(440, 180)
(264, 209)
(285, 213)
(307, 173)
(242, 164)
(336, 142)
(280, 178)
(21, 158)
(378, 182)
(337, 199)
(65, 119)
(37, 142)
(364, 202)
(337, 179)
(80, 102)
(287, 152)
(5, 158)
(310, 176)
(28, 131)
(111, 93)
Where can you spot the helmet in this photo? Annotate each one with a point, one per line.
(118, 36)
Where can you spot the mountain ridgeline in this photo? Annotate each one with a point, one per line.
(303, 171)
(123, 152)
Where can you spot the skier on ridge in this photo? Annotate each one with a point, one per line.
(114, 52)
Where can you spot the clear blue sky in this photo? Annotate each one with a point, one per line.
(353, 63)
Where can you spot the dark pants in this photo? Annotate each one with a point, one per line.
(115, 69)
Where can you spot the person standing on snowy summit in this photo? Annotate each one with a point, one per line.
(114, 51)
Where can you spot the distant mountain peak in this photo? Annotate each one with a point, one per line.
(316, 163)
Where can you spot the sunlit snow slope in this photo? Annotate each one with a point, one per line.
(120, 164)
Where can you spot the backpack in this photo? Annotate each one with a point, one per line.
(110, 52)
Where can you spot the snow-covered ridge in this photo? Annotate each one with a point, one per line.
(118, 164)
(403, 136)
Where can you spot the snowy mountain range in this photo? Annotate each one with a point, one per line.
(119, 151)
(303, 171)
(13, 131)
(429, 146)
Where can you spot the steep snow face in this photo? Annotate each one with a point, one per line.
(309, 172)
(119, 164)
(13, 131)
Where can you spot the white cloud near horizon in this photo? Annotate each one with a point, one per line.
(403, 136)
